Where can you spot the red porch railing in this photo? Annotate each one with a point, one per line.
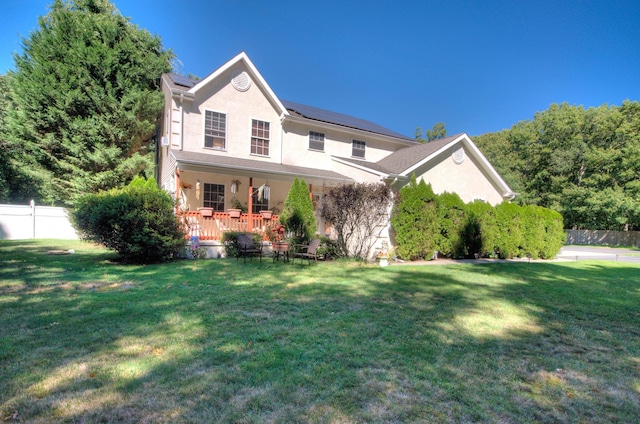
(212, 227)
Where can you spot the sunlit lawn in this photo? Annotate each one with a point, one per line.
(84, 339)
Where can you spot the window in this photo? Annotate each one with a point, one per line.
(259, 204)
(215, 129)
(357, 148)
(259, 137)
(213, 196)
(316, 141)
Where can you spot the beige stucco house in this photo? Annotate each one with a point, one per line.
(228, 139)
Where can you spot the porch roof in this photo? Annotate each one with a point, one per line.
(231, 164)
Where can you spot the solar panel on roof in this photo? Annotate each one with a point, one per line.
(339, 119)
(182, 80)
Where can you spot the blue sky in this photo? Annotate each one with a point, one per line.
(477, 66)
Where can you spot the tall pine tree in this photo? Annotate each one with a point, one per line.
(86, 99)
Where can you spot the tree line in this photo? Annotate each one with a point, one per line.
(583, 163)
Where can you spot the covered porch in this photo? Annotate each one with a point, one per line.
(216, 194)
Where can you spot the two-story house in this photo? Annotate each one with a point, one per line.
(227, 141)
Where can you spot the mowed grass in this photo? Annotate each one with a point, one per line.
(85, 339)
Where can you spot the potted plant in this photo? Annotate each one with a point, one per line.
(236, 208)
(266, 214)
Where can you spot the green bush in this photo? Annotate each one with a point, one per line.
(329, 249)
(554, 235)
(481, 230)
(452, 222)
(528, 231)
(230, 241)
(414, 221)
(136, 221)
(509, 218)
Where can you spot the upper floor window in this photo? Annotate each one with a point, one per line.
(215, 129)
(259, 137)
(213, 196)
(316, 140)
(358, 148)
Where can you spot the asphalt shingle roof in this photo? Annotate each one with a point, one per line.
(403, 159)
(256, 165)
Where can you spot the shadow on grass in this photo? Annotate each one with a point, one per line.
(220, 341)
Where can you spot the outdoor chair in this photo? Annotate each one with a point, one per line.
(247, 247)
(307, 252)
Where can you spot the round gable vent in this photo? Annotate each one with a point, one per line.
(458, 156)
(241, 82)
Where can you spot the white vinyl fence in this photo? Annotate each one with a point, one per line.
(32, 221)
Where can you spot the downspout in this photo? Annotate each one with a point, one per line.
(250, 206)
(281, 138)
(181, 121)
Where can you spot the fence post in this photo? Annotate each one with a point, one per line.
(33, 218)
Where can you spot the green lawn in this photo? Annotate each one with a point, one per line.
(84, 339)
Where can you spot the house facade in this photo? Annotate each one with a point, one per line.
(228, 142)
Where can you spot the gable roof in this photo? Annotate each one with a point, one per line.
(184, 85)
(327, 116)
(403, 162)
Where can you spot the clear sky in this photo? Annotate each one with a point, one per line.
(478, 66)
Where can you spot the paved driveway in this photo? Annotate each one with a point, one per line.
(577, 253)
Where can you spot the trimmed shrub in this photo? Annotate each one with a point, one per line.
(481, 231)
(554, 236)
(414, 221)
(136, 221)
(452, 221)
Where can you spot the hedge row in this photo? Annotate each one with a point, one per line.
(425, 222)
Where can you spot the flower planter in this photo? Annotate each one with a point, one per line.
(266, 214)
(234, 213)
(206, 212)
(383, 261)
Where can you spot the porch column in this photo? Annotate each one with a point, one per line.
(250, 206)
(178, 186)
(311, 191)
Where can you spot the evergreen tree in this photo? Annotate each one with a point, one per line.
(297, 214)
(86, 99)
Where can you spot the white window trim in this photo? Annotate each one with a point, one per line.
(204, 130)
(364, 150)
(251, 136)
(324, 139)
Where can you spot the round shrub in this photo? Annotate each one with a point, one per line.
(136, 221)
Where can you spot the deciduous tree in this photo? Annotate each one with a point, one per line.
(359, 213)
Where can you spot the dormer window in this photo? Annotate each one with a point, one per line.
(215, 130)
(358, 148)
